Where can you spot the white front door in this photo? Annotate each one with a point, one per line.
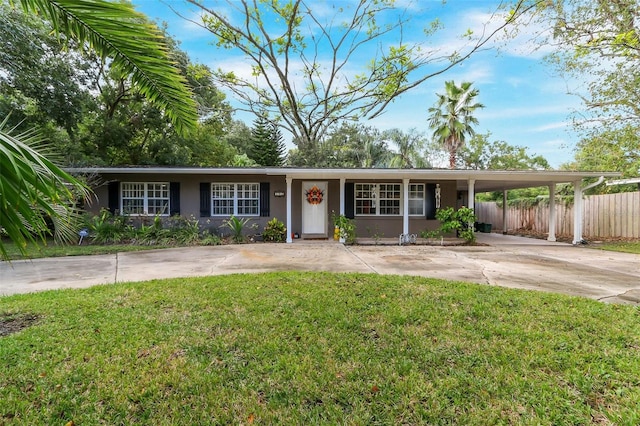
(314, 208)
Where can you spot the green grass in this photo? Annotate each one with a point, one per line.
(52, 249)
(621, 246)
(318, 348)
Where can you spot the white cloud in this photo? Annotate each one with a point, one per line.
(551, 126)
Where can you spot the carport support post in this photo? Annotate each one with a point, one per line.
(471, 196)
(289, 196)
(505, 228)
(405, 208)
(342, 182)
(552, 212)
(471, 199)
(577, 212)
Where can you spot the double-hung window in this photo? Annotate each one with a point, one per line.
(416, 199)
(145, 198)
(238, 199)
(378, 199)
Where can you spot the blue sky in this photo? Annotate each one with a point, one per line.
(526, 103)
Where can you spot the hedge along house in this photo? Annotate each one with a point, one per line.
(387, 202)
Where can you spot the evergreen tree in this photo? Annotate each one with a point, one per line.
(267, 147)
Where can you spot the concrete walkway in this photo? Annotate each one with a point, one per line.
(503, 261)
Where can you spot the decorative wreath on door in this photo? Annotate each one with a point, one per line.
(314, 195)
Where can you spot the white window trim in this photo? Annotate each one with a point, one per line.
(377, 199)
(145, 198)
(235, 199)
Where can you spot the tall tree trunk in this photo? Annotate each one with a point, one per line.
(452, 159)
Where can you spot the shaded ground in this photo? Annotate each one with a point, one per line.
(13, 323)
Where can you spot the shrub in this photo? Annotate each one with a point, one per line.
(153, 234)
(107, 228)
(236, 226)
(184, 231)
(460, 220)
(347, 228)
(274, 231)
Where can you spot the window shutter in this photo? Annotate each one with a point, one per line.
(264, 199)
(114, 196)
(430, 201)
(174, 198)
(349, 199)
(205, 199)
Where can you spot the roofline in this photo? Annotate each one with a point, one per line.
(321, 173)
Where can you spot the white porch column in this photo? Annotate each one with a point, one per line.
(289, 196)
(405, 208)
(342, 182)
(552, 212)
(505, 209)
(577, 212)
(471, 199)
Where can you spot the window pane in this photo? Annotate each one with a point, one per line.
(416, 199)
(390, 195)
(416, 207)
(248, 199)
(365, 199)
(132, 198)
(132, 206)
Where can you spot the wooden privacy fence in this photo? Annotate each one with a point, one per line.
(604, 216)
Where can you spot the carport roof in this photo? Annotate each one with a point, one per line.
(485, 180)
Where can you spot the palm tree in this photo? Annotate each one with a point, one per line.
(32, 187)
(410, 147)
(452, 117)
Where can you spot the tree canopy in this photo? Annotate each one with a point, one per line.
(599, 43)
(32, 187)
(311, 70)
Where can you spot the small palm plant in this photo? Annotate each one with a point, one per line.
(236, 226)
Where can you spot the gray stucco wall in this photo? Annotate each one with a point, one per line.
(366, 226)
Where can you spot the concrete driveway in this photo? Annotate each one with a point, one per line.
(503, 261)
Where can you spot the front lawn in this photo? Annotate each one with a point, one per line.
(622, 246)
(53, 249)
(316, 348)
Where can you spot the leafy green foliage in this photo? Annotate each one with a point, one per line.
(317, 348)
(460, 221)
(237, 227)
(481, 154)
(610, 150)
(32, 186)
(267, 146)
(34, 190)
(601, 45)
(409, 146)
(348, 145)
(347, 227)
(452, 117)
(134, 45)
(107, 228)
(274, 231)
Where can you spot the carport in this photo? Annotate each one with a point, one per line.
(475, 181)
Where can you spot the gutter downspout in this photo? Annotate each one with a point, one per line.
(577, 203)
